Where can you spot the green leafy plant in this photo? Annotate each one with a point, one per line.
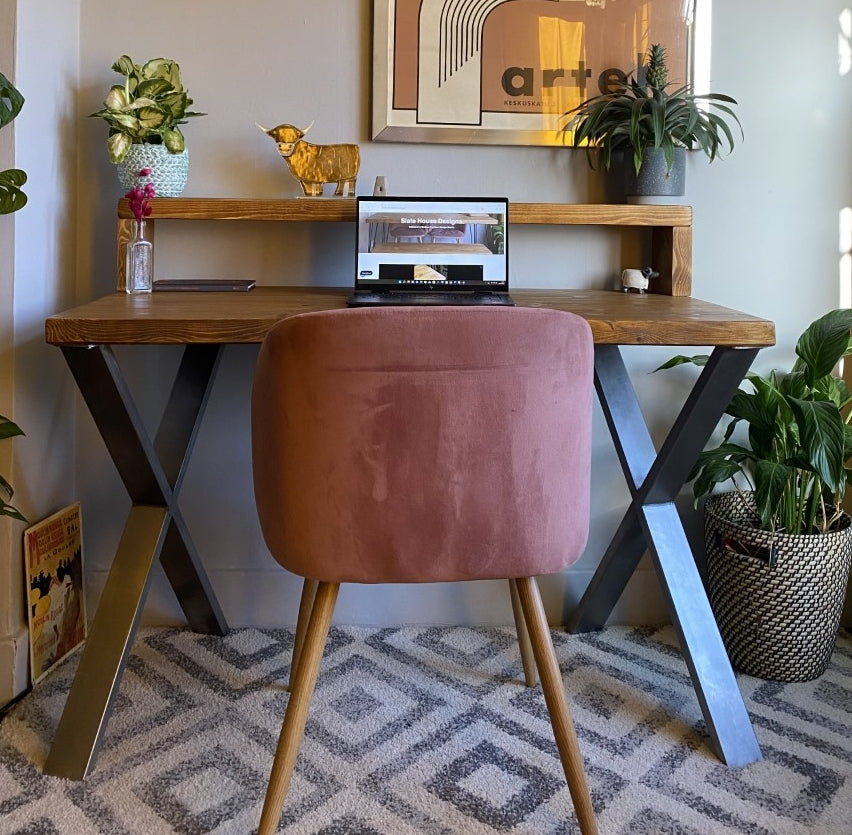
(11, 199)
(643, 114)
(11, 180)
(799, 437)
(8, 429)
(147, 108)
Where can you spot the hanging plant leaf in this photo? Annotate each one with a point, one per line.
(11, 101)
(11, 196)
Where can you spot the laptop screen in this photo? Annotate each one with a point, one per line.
(445, 244)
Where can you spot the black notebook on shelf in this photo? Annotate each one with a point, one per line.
(182, 285)
(439, 251)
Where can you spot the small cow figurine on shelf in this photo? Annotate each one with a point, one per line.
(637, 279)
(313, 165)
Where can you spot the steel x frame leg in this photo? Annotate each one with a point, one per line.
(152, 473)
(652, 522)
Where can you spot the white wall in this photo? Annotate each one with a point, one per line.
(37, 254)
(766, 241)
(13, 636)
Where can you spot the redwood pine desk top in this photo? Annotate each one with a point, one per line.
(176, 318)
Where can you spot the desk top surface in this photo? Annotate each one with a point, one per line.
(178, 318)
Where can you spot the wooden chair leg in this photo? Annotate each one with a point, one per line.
(302, 690)
(557, 703)
(306, 604)
(527, 659)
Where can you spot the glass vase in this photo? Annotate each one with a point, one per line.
(139, 268)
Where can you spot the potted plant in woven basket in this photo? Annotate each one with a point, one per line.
(650, 127)
(779, 545)
(144, 114)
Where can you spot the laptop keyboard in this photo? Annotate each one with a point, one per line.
(419, 299)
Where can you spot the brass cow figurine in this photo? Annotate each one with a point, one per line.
(313, 165)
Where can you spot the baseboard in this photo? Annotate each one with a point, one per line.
(14, 666)
(271, 599)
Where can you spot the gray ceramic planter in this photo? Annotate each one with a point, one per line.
(653, 180)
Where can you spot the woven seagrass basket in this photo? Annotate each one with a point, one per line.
(776, 597)
(169, 172)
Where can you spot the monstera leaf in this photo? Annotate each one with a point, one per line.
(11, 196)
(11, 180)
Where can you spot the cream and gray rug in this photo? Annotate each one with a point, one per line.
(430, 731)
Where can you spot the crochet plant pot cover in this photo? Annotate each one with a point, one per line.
(168, 171)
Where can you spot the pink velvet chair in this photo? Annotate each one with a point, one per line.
(417, 445)
(448, 234)
(407, 232)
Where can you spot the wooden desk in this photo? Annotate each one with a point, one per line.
(152, 471)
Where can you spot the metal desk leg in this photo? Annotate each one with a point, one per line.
(652, 520)
(152, 474)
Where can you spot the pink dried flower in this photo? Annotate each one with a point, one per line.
(140, 195)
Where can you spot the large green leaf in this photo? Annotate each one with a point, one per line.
(682, 359)
(117, 99)
(123, 122)
(11, 196)
(831, 388)
(715, 466)
(118, 145)
(8, 428)
(772, 427)
(6, 494)
(822, 435)
(794, 384)
(11, 101)
(823, 343)
(154, 87)
(771, 482)
(124, 65)
(150, 119)
(174, 141)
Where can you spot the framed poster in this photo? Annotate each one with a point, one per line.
(503, 72)
(53, 553)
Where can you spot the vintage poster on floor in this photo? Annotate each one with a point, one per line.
(53, 554)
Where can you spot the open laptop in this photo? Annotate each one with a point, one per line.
(418, 250)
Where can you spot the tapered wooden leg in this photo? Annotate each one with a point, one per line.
(527, 659)
(306, 604)
(557, 703)
(302, 690)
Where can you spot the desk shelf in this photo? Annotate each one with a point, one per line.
(671, 226)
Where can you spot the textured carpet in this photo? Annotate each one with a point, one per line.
(430, 730)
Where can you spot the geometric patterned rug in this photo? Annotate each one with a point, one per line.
(430, 730)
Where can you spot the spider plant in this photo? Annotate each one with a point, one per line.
(643, 114)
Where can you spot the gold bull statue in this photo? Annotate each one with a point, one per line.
(313, 165)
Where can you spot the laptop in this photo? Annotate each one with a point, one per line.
(431, 251)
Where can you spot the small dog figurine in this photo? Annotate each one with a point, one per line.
(637, 279)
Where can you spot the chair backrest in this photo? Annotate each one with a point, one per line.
(424, 444)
